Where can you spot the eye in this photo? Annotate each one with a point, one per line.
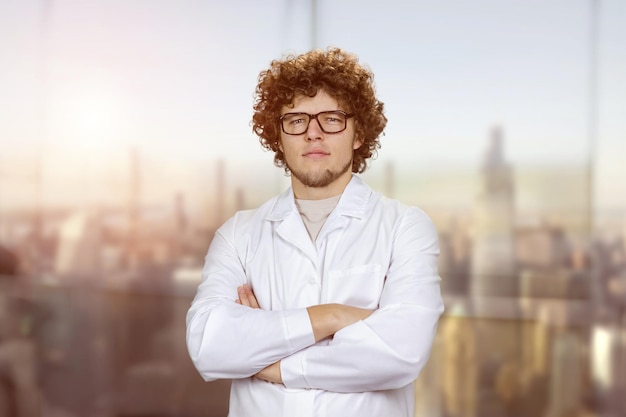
(333, 118)
(295, 119)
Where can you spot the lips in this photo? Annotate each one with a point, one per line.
(316, 153)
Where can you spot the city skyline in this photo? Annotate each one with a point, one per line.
(540, 186)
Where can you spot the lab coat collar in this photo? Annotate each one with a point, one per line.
(353, 201)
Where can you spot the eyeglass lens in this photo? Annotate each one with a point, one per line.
(329, 121)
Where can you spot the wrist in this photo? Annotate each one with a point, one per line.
(325, 320)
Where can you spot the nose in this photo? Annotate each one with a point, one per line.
(314, 131)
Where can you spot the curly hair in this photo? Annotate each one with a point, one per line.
(336, 72)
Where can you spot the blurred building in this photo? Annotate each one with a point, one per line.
(608, 332)
(608, 367)
(455, 258)
(79, 243)
(458, 362)
(493, 245)
(8, 262)
(518, 308)
(541, 247)
(20, 394)
(494, 285)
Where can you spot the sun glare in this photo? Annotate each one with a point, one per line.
(95, 114)
(86, 113)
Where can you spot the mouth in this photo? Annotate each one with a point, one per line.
(315, 154)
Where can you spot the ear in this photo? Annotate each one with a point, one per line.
(357, 144)
(280, 146)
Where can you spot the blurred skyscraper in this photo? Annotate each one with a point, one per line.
(134, 211)
(493, 257)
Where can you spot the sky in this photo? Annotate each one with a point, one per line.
(82, 83)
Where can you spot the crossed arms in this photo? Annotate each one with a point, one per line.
(326, 320)
(383, 349)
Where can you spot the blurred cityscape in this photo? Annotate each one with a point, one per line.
(93, 304)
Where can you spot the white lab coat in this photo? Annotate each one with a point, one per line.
(372, 252)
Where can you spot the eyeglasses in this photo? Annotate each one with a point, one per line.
(334, 121)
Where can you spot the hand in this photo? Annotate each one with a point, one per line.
(271, 374)
(246, 297)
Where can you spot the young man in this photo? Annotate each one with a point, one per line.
(325, 300)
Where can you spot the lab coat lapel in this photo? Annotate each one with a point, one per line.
(353, 203)
(293, 231)
(291, 227)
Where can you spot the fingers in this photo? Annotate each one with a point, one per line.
(246, 297)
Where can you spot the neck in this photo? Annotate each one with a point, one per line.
(303, 192)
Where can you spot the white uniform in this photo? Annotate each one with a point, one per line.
(372, 252)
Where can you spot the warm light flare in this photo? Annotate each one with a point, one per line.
(87, 112)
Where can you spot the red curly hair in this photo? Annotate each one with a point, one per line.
(336, 72)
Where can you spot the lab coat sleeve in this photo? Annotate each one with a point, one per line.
(388, 349)
(228, 340)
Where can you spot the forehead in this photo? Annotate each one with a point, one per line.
(322, 101)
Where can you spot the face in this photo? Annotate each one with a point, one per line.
(320, 163)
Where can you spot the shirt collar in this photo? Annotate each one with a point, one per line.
(353, 201)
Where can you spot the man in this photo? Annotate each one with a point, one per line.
(325, 300)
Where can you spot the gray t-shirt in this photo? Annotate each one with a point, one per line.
(315, 212)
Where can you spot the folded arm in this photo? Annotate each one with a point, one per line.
(217, 327)
(224, 317)
(387, 349)
(326, 320)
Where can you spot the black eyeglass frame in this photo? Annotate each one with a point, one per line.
(315, 116)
